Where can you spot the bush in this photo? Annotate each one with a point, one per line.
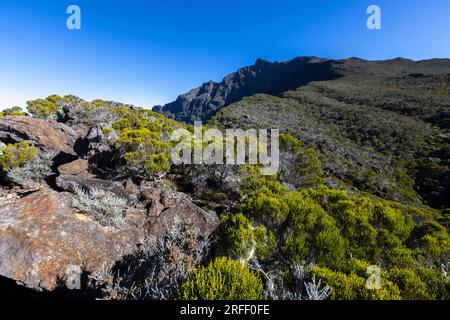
(222, 279)
(353, 287)
(332, 229)
(16, 155)
(105, 207)
(14, 111)
(237, 237)
(241, 240)
(33, 171)
(142, 144)
(44, 108)
(155, 272)
(411, 286)
(438, 283)
(298, 166)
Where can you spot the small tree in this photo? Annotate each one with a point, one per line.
(44, 108)
(14, 111)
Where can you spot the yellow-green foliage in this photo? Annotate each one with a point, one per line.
(239, 237)
(14, 111)
(98, 103)
(144, 141)
(332, 230)
(236, 234)
(15, 155)
(438, 284)
(411, 286)
(353, 286)
(306, 170)
(44, 108)
(222, 279)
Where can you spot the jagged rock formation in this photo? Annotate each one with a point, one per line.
(275, 78)
(46, 136)
(263, 77)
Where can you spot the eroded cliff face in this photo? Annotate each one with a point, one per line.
(263, 77)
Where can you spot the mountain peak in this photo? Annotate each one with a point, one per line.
(260, 62)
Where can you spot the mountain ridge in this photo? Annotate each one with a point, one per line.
(274, 78)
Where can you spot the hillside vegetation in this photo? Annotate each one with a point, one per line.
(382, 127)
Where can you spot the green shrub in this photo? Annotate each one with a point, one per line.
(299, 166)
(222, 279)
(332, 229)
(144, 152)
(353, 287)
(239, 238)
(432, 238)
(14, 111)
(44, 108)
(15, 155)
(438, 284)
(410, 284)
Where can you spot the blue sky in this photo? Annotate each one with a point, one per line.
(146, 52)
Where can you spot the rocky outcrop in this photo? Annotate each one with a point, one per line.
(96, 141)
(45, 244)
(69, 182)
(47, 136)
(97, 146)
(76, 167)
(166, 208)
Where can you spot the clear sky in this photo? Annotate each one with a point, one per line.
(147, 52)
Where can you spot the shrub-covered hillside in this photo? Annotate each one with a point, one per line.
(380, 127)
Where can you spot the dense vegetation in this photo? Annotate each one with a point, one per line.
(338, 236)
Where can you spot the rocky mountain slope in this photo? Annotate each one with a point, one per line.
(274, 78)
(380, 126)
(263, 77)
